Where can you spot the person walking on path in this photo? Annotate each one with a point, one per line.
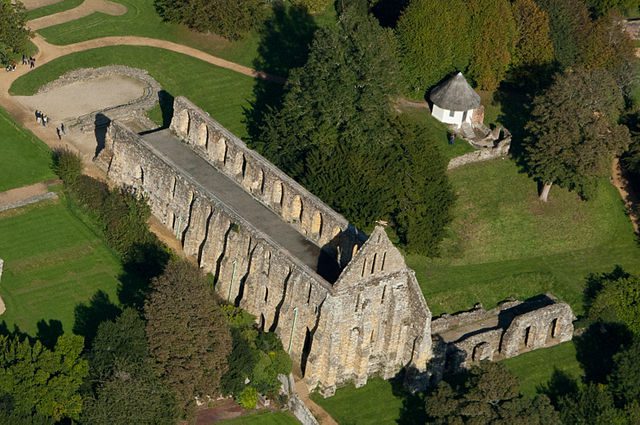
(32, 63)
(37, 116)
(45, 120)
(62, 128)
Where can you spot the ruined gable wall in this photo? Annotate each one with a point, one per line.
(263, 180)
(379, 323)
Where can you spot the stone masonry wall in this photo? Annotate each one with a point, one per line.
(263, 180)
(373, 320)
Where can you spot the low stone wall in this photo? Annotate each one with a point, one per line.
(135, 109)
(484, 154)
(295, 404)
(27, 201)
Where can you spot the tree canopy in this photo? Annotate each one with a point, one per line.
(574, 131)
(533, 44)
(42, 383)
(14, 35)
(187, 333)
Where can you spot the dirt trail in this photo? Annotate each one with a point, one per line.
(35, 4)
(21, 193)
(630, 198)
(86, 8)
(320, 414)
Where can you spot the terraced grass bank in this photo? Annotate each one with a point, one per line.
(224, 94)
(24, 159)
(266, 418)
(53, 262)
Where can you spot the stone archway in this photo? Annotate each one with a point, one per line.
(203, 136)
(316, 224)
(184, 123)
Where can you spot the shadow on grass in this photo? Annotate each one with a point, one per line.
(48, 333)
(284, 45)
(560, 385)
(89, 316)
(413, 407)
(145, 262)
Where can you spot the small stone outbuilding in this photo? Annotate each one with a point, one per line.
(454, 101)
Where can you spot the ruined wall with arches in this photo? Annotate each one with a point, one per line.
(228, 154)
(371, 319)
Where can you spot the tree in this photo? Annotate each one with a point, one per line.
(569, 22)
(228, 18)
(313, 6)
(533, 43)
(591, 405)
(624, 380)
(574, 131)
(131, 398)
(493, 38)
(35, 381)
(488, 395)
(336, 130)
(602, 7)
(187, 333)
(14, 35)
(618, 301)
(434, 41)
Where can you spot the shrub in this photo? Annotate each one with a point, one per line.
(313, 6)
(248, 398)
(67, 165)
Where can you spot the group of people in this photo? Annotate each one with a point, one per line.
(43, 119)
(30, 60)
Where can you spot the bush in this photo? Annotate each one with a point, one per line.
(248, 398)
(313, 6)
(90, 193)
(67, 165)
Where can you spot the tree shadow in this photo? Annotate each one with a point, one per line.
(165, 99)
(48, 333)
(284, 45)
(596, 347)
(413, 410)
(388, 12)
(145, 262)
(559, 385)
(89, 316)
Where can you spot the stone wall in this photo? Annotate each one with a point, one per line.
(372, 321)
(483, 154)
(264, 181)
(508, 330)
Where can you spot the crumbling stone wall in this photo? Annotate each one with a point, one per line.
(372, 320)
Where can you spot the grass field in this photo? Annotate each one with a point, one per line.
(534, 369)
(53, 262)
(375, 403)
(223, 93)
(23, 158)
(58, 7)
(141, 19)
(266, 418)
(504, 242)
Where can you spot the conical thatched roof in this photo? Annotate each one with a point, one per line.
(455, 94)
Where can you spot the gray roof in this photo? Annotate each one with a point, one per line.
(455, 94)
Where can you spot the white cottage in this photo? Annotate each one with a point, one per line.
(454, 101)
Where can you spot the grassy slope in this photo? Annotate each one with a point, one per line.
(53, 262)
(222, 93)
(58, 7)
(374, 403)
(534, 369)
(505, 242)
(23, 158)
(266, 418)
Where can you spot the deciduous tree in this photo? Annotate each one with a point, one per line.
(14, 35)
(187, 333)
(434, 41)
(569, 22)
(533, 42)
(35, 381)
(574, 131)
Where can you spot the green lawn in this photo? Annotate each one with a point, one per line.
(222, 93)
(504, 242)
(375, 403)
(265, 418)
(24, 159)
(534, 369)
(436, 131)
(53, 262)
(58, 7)
(141, 19)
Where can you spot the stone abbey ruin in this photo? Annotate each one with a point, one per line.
(345, 305)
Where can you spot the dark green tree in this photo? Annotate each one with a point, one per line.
(618, 301)
(35, 381)
(602, 7)
(592, 404)
(434, 41)
(569, 22)
(187, 333)
(229, 18)
(14, 35)
(624, 380)
(533, 43)
(574, 132)
(489, 395)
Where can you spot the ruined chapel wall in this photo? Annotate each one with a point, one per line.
(250, 269)
(263, 180)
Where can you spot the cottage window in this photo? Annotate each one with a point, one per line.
(452, 113)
